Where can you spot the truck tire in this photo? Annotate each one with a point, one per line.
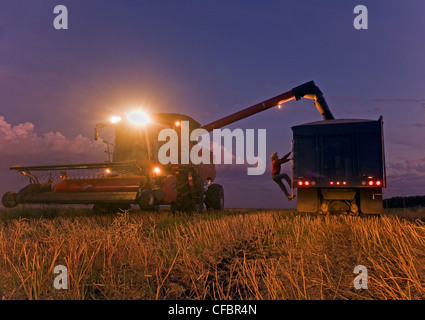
(189, 192)
(9, 199)
(214, 198)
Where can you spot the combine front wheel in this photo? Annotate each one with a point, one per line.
(189, 192)
(147, 201)
(9, 199)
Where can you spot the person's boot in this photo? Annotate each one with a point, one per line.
(287, 195)
(290, 197)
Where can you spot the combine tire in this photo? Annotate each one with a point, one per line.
(214, 198)
(147, 201)
(9, 199)
(190, 192)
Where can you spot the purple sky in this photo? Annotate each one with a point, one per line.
(209, 59)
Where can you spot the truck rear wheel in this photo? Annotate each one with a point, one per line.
(214, 198)
(338, 207)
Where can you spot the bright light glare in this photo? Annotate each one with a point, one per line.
(115, 119)
(281, 102)
(138, 117)
(156, 169)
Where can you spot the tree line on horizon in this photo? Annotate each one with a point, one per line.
(405, 202)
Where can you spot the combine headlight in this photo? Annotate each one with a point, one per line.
(138, 118)
(156, 170)
(115, 119)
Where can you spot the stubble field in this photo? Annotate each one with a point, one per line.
(235, 254)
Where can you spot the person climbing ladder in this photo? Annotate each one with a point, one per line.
(277, 176)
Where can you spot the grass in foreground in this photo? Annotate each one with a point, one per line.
(235, 254)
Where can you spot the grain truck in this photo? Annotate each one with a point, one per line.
(338, 166)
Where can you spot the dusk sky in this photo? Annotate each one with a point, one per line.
(208, 59)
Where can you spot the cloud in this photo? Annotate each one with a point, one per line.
(19, 144)
(405, 100)
(416, 101)
(403, 141)
(406, 177)
(409, 166)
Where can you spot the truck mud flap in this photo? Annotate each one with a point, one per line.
(308, 200)
(371, 201)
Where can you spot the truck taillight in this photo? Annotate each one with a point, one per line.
(306, 183)
(372, 183)
(338, 183)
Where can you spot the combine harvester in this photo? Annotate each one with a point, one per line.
(338, 166)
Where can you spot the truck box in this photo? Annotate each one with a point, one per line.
(335, 159)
